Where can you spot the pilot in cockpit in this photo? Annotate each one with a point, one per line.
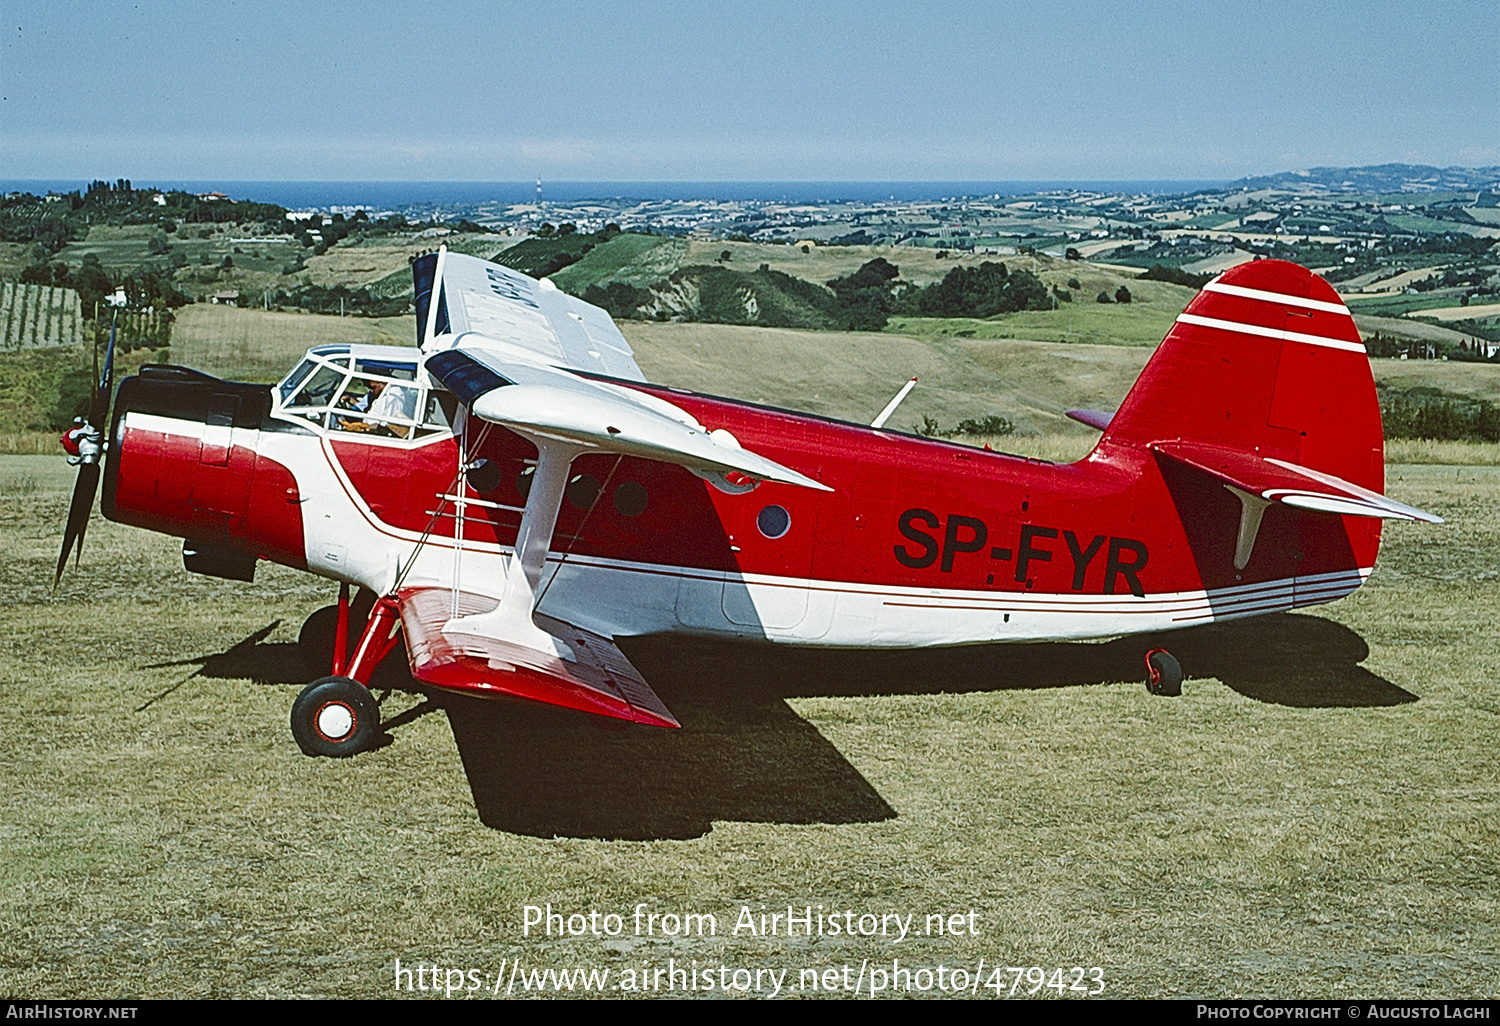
(382, 403)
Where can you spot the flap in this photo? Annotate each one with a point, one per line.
(1279, 481)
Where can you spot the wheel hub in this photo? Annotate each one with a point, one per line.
(335, 721)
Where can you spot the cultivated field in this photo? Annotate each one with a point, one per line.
(1474, 311)
(1317, 816)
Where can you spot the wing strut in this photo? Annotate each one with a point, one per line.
(512, 618)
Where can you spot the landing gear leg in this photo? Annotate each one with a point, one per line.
(326, 641)
(1165, 673)
(337, 716)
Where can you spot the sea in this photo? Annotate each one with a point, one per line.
(397, 196)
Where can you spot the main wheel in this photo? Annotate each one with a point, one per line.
(1165, 671)
(335, 716)
(315, 639)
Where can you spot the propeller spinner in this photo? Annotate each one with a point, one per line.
(89, 439)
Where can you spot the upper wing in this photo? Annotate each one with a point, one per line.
(520, 317)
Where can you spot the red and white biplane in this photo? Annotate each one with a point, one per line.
(512, 496)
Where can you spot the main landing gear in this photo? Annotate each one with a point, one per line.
(336, 715)
(1165, 673)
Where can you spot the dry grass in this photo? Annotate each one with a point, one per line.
(259, 345)
(1318, 816)
(29, 443)
(1427, 450)
(1476, 380)
(852, 375)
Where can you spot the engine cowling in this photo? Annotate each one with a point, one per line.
(183, 460)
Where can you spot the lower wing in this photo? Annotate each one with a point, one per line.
(596, 679)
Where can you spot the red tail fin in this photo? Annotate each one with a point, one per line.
(1266, 360)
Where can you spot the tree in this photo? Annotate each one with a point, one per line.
(1103, 297)
(1072, 254)
(983, 291)
(865, 295)
(91, 282)
(1122, 295)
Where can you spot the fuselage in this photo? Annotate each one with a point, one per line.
(919, 542)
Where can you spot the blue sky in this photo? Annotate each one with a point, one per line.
(742, 91)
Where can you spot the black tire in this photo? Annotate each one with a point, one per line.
(335, 716)
(1166, 673)
(315, 639)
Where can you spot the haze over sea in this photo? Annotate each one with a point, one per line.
(400, 195)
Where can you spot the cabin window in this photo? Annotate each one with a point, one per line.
(774, 521)
(631, 498)
(583, 491)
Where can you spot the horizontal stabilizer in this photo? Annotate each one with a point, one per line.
(1280, 481)
(1096, 419)
(597, 679)
(552, 403)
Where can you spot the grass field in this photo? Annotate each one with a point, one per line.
(1397, 305)
(637, 259)
(1318, 816)
(259, 345)
(852, 375)
(1135, 324)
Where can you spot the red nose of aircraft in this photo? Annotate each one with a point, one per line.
(183, 459)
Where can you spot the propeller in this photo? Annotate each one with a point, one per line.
(90, 442)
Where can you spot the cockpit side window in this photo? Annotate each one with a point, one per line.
(382, 398)
(442, 409)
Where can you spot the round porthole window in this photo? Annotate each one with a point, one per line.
(630, 499)
(484, 476)
(583, 490)
(774, 521)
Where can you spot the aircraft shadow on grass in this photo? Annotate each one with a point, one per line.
(743, 755)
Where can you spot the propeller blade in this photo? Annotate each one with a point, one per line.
(78, 515)
(91, 452)
(99, 407)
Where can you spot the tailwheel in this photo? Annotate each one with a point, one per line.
(335, 716)
(1165, 673)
